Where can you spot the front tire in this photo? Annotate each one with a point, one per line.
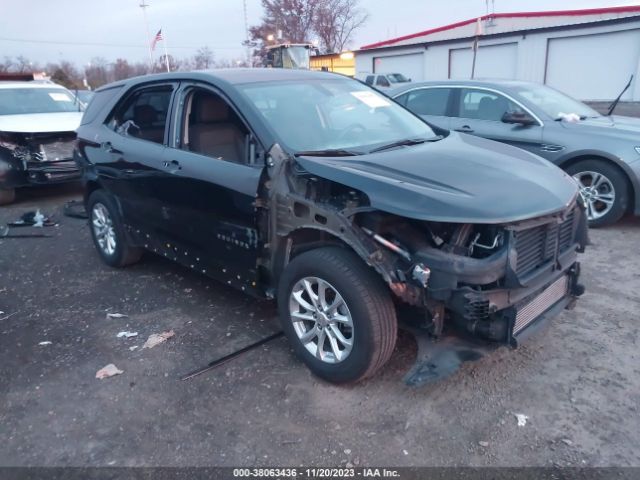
(7, 196)
(604, 188)
(338, 314)
(108, 233)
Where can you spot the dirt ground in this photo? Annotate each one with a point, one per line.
(578, 380)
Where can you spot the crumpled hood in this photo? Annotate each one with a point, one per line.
(462, 179)
(41, 122)
(615, 126)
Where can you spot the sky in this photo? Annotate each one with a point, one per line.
(77, 30)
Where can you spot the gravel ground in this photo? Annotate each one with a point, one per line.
(578, 380)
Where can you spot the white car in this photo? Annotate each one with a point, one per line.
(38, 121)
(384, 80)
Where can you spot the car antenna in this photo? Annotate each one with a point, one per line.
(613, 106)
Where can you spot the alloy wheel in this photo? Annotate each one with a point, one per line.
(598, 193)
(321, 319)
(103, 229)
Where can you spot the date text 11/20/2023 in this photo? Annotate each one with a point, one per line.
(315, 473)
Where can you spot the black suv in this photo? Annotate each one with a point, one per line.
(318, 191)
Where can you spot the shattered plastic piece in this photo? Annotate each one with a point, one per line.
(116, 315)
(522, 419)
(46, 342)
(133, 348)
(127, 334)
(158, 338)
(108, 371)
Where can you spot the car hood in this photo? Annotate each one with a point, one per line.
(461, 179)
(40, 122)
(616, 126)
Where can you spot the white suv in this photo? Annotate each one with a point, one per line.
(385, 80)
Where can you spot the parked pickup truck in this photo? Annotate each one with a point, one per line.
(317, 191)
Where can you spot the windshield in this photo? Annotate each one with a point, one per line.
(333, 114)
(17, 101)
(554, 103)
(397, 78)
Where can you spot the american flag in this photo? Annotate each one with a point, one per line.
(156, 39)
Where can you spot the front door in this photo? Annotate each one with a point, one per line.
(479, 112)
(209, 188)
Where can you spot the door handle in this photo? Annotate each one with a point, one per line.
(172, 165)
(464, 129)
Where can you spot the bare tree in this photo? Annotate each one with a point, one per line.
(289, 21)
(203, 59)
(96, 72)
(336, 21)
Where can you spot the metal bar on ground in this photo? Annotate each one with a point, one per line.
(231, 356)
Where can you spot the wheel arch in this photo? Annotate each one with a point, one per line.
(634, 188)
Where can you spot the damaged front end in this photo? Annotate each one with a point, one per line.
(479, 285)
(36, 158)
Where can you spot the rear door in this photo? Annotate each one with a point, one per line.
(135, 145)
(479, 112)
(431, 103)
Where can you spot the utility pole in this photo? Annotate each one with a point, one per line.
(144, 7)
(247, 41)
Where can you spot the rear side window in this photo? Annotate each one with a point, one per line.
(369, 80)
(429, 101)
(144, 114)
(382, 81)
(98, 102)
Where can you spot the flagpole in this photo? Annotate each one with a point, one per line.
(166, 56)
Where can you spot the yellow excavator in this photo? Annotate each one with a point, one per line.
(288, 55)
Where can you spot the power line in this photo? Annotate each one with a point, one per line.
(99, 44)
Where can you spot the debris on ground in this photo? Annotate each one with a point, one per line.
(405, 452)
(4, 233)
(127, 334)
(33, 219)
(75, 209)
(483, 443)
(7, 316)
(116, 315)
(108, 371)
(158, 338)
(566, 441)
(135, 347)
(522, 419)
(46, 342)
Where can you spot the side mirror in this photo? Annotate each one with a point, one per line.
(519, 118)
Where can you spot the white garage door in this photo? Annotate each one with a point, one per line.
(410, 65)
(492, 61)
(593, 67)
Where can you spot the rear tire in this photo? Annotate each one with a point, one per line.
(7, 196)
(108, 232)
(355, 302)
(604, 188)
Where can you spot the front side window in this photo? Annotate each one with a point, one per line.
(144, 114)
(428, 101)
(484, 105)
(20, 101)
(370, 79)
(212, 128)
(332, 113)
